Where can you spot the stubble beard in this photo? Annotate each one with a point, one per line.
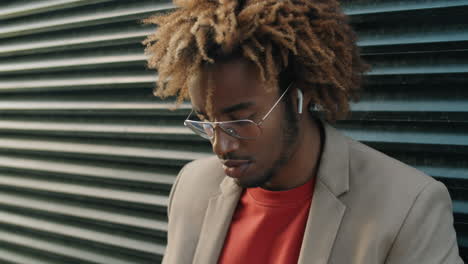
(289, 144)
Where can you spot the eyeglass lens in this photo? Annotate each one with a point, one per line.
(240, 129)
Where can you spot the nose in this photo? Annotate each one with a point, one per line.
(223, 143)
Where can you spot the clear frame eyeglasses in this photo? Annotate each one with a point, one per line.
(241, 129)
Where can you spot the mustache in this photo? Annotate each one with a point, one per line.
(231, 156)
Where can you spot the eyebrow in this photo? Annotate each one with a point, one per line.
(237, 107)
(230, 109)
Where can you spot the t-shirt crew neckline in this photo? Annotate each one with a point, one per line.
(289, 197)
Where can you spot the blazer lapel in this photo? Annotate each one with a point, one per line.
(326, 211)
(216, 222)
(322, 226)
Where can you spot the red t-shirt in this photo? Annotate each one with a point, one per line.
(268, 226)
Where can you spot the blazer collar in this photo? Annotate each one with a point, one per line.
(333, 169)
(216, 223)
(325, 214)
(326, 210)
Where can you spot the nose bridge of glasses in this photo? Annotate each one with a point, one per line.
(222, 128)
(222, 141)
(227, 128)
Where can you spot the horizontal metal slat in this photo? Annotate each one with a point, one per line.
(372, 7)
(170, 132)
(122, 34)
(418, 82)
(85, 170)
(148, 200)
(80, 233)
(10, 256)
(389, 38)
(406, 136)
(80, 211)
(78, 18)
(449, 14)
(462, 243)
(64, 63)
(425, 69)
(454, 173)
(59, 249)
(455, 178)
(460, 207)
(76, 82)
(112, 152)
(29, 8)
(74, 109)
(90, 106)
(407, 117)
(428, 105)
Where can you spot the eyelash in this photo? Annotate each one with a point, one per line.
(251, 117)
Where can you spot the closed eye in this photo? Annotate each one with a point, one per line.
(251, 117)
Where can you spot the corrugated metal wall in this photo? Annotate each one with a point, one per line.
(88, 155)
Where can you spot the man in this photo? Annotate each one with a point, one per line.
(284, 186)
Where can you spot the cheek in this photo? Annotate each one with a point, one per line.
(273, 129)
(268, 146)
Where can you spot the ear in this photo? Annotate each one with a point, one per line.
(300, 99)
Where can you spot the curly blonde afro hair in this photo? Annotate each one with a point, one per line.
(311, 37)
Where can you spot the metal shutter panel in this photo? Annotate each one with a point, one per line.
(88, 154)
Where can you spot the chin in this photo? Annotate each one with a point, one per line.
(245, 185)
(254, 180)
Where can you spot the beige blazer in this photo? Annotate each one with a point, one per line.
(367, 209)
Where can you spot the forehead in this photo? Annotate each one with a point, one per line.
(227, 83)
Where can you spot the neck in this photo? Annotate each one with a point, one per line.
(304, 160)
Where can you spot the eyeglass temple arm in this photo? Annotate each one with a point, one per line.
(277, 102)
(189, 115)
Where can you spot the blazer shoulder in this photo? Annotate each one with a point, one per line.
(197, 182)
(199, 179)
(383, 181)
(379, 170)
(204, 172)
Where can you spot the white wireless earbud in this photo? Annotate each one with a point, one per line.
(300, 98)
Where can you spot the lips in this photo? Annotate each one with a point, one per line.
(235, 168)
